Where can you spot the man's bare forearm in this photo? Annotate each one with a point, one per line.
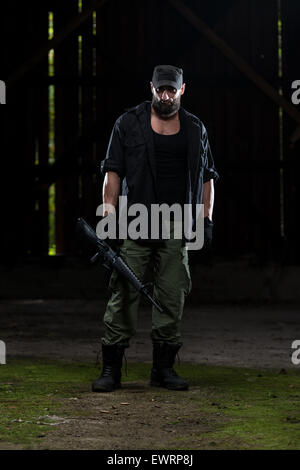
(208, 198)
(111, 191)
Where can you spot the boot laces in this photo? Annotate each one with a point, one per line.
(107, 371)
(172, 372)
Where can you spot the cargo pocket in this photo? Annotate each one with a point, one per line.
(115, 277)
(113, 280)
(134, 140)
(134, 150)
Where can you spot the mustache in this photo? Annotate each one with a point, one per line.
(166, 109)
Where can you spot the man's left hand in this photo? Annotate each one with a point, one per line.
(208, 231)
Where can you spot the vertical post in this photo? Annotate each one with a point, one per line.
(66, 126)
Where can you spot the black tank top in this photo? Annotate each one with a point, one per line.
(171, 166)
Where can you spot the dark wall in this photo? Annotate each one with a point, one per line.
(132, 37)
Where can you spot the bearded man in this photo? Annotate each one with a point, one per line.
(158, 153)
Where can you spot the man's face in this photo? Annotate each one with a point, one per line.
(166, 100)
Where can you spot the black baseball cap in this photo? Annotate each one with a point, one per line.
(167, 75)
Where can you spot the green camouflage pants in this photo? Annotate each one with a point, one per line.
(172, 283)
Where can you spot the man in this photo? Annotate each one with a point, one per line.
(158, 153)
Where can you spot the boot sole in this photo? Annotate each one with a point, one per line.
(158, 384)
(105, 390)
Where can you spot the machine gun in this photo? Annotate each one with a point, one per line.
(111, 259)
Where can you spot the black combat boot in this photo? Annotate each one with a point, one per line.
(162, 373)
(110, 377)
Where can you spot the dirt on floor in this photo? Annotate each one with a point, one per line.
(135, 417)
(241, 335)
(138, 416)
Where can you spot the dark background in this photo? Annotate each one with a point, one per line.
(256, 199)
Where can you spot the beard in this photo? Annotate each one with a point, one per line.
(166, 109)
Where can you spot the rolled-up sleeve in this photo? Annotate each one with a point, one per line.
(114, 160)
(210, 171)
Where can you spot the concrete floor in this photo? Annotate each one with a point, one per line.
(240, 335)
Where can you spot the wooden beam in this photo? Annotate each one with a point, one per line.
(39, 55)
(238, 61)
